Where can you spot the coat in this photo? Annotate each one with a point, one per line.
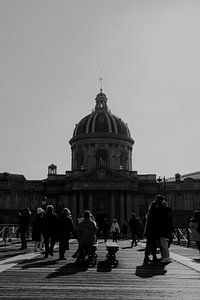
(195, 236)
(86, 232)
(115, 227)
(65, 227)
(37, 228)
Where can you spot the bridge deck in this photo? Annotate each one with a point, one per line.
(26, 275)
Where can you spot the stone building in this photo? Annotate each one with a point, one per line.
(101, 178)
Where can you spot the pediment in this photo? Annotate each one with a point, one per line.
(102, 174)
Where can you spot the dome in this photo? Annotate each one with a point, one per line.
(101, 122)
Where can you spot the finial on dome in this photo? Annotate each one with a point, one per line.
(101, 80)
(101, 84)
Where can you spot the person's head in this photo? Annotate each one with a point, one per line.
(159, 198)
(133, 215)
(39, 210)
(165, 203)
(50, 208)
(114, 220)
(86, 214)
(66, 211)
(27, 211)
(196, 214)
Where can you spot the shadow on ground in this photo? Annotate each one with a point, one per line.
(150, 270)
(66, 270)
(197, 260)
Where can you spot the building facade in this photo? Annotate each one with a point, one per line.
(101, 178)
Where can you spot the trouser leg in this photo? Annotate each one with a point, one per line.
(164, 247)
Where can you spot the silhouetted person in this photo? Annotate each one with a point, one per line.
(65, 231)
(105, 229)
(37, 230)
(124, 229)
(49, 230)
(133, 225)
(24, 227)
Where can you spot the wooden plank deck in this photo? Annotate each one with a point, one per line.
(35, 277)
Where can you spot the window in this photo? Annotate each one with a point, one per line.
(101, 158)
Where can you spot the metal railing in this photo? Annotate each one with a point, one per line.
(182, 236)
(10, 232)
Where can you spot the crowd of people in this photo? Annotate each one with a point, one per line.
(48, 228)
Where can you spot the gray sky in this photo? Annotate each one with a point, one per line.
(51, 54)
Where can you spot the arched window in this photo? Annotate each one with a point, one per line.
(122, 159)
(80, 159)
(101, 158)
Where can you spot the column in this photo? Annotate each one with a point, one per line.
(129, 206)
(112, 206)
(121, 207)
(74, 207)
(80, 202)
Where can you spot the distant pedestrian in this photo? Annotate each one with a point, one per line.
(105, 229)
(133, 225)
(115, 230)
(194, 225)
(49, 230)
(65, 229)
(37, 236)
(24, 227)
(124, 229)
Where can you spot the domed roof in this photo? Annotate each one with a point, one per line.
(101, 122)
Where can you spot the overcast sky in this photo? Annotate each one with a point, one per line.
(51, 56)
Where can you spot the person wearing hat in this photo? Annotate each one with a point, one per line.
(37, 230)
(65, 231)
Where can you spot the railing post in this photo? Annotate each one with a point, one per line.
(188, 237)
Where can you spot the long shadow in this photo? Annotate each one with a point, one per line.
(66, 270)
(37, 263)
(127, 247)
(197, 260)
(150, 270)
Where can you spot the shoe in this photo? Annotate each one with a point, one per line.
(147, 260)
(155, 260)
(165, 260)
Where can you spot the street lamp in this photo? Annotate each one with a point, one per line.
(159, 180)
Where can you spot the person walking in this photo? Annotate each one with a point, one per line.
(194, 226)
(65, 229)
(115, 230)
(133, 224)
(49, 230)
(37, 230)
(124, 229)
(24, 227)
(105, 229)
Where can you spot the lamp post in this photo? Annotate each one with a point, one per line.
(159, 180)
